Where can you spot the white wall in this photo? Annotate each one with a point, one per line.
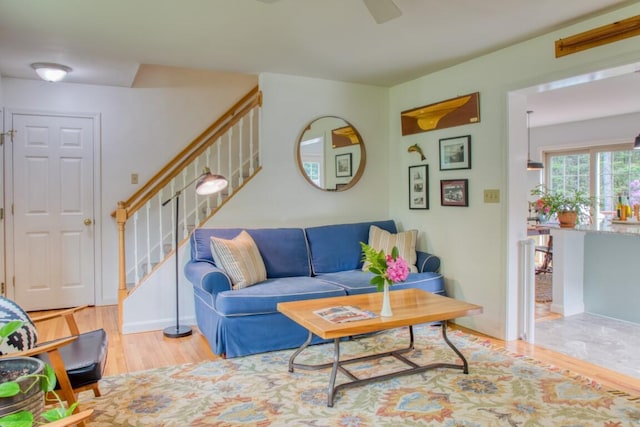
(602, 131)
(2, 229)
(141, 129)
(478, 244)
(279, 196)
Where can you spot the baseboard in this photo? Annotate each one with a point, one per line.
(558, 308)
(155, 325)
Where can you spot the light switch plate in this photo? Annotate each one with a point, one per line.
(134, 178)
(492, 196)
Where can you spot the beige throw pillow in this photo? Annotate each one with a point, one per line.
(240, 259)
(405, 241)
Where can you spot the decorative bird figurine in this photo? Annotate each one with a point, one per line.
(415, 149)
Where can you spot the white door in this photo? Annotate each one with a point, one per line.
(53, 218)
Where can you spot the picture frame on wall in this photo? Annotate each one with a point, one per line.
(343, 165)
(454, 192)
(419, 187)
(455, 153)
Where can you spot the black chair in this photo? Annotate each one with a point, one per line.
(77, 360)
(547, 257)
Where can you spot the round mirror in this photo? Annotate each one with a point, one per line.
(331, 154)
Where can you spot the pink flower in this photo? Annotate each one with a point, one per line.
(398, 270)
(386, 269)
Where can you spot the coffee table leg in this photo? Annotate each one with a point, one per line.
(334, 372)
(298, 351)
(465, 365)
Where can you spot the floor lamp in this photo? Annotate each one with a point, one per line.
(207, 183)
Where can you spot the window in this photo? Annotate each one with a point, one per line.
(618, 175)
(569, 172)
(603, 172)
(312, 170)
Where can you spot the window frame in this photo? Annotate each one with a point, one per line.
(593, 151)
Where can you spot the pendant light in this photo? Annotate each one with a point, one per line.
(531, 165)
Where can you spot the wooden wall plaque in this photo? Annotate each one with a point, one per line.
(344, 137)
(458, 111)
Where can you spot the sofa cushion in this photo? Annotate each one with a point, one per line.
(240, 259)
(284, 251)
(358, 282)
(264, 297)
(405, 241)
(337, 247)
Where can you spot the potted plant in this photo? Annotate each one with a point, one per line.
(24, 381)
(567, 206)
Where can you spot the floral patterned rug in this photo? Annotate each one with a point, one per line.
(501, 389)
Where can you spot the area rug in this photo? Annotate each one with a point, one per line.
(543, 287)
(501, 389)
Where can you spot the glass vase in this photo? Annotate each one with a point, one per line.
(386, 303)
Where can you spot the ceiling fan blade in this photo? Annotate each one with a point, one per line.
(382, 10)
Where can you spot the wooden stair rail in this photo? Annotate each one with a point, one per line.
(190, 154)
(196, 147)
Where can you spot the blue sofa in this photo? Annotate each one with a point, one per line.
(301, 263)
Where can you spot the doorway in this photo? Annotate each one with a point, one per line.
(564, 97)
(50, 192)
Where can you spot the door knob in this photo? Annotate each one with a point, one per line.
(87, 221)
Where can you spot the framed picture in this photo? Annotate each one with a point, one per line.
(419, 187)
(455, 153)
(454, 192)
(343, 165)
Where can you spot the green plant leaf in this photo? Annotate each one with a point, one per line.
(9, 328)
(395, 253)
(19, 419)
(71, 408)
(375, 270)
(49, 380)
(9, 389)
(377, 280)
(54, 414)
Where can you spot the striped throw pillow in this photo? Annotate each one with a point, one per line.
(25, 337)
(240, 259)
(405, 241)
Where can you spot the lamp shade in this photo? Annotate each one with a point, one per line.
(534, 166)
(50, 72)
(209, 183)
(636, 145)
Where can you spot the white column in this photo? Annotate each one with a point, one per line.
(568, 271)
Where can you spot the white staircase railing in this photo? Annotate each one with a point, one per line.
(230, 147)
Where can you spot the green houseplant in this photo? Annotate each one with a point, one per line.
(18, 384)
(567, 206)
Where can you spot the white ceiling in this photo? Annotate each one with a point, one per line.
(105, 41)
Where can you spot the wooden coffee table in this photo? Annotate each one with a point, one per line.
(410, 307)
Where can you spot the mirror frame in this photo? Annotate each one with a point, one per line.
(363, 156)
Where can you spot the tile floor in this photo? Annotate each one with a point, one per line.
(606, 342)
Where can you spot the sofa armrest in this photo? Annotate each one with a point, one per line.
(427, 262)
(207, 276)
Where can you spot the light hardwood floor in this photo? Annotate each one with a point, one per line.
(135, 352)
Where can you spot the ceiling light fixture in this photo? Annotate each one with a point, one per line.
(636, 145)
(531, 165)
(50, 71)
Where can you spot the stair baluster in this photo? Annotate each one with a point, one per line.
(230, 146)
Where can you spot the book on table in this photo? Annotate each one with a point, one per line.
(344, 313)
